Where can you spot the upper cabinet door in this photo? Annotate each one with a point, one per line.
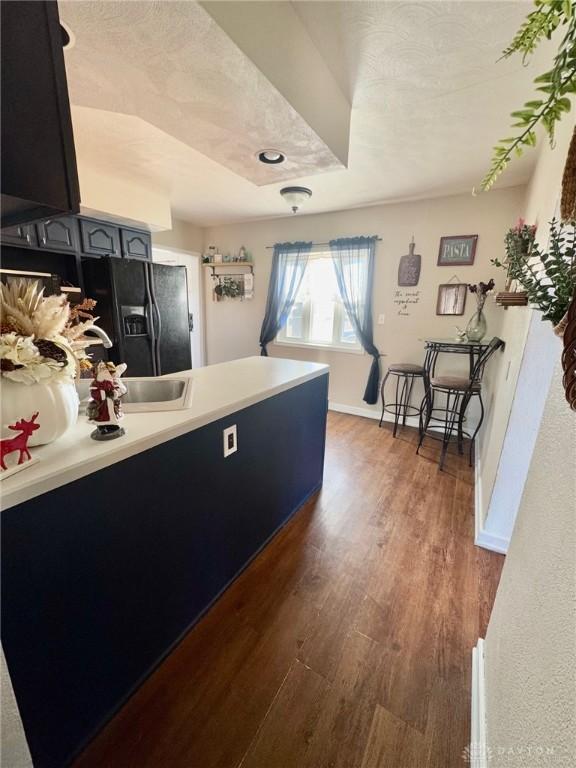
(99, 239)
(59, 234)
(39, 176)
(21, 234)
(136, 245)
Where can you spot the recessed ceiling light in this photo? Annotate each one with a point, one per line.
(271, 156)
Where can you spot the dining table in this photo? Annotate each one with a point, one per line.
(436, 346)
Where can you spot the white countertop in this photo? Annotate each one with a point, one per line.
(219, 390)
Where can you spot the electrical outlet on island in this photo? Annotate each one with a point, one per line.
(230, 440)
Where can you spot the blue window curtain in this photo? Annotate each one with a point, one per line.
(289, 262)
(353, 259)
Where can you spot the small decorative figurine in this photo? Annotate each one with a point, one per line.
(105, 407)
(19, 443)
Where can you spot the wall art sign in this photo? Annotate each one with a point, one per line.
(404, 300)
(457, 250)
(451, 299)
(409, 267)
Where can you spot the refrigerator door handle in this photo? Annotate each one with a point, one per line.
(150, 318)
(158, 334)
(158, 323)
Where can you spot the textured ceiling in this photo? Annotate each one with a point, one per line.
(170, 64)
(429, 100)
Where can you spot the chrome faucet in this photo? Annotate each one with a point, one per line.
(101, 335)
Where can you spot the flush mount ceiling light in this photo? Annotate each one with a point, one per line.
(271, 157)
(296, 196)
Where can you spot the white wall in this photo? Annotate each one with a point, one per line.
(110, 196)
(516, 426)
(233, 327)
(530, 647)
(538, 360)
(182, 235)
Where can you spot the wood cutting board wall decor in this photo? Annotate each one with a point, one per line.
(409, 267)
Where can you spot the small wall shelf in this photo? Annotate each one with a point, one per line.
(228, 264)
(507, 299)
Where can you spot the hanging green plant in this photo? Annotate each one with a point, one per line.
(549, 278)
(555, 86)
(230, 288)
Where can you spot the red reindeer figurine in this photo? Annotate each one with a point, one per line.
(19, 443)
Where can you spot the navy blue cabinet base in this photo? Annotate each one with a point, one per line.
(103, 576)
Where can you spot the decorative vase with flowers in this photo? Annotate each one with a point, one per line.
(476, 328)
(41, 353)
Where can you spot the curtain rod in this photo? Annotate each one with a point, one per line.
(317, 245)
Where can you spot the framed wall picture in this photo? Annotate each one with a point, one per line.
(451, 298)
(457, 251)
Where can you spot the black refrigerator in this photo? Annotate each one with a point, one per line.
(143, 307)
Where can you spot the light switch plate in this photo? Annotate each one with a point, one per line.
(381, 319)
(230, 440)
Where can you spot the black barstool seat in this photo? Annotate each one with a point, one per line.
(406, 368)
(454, 382)
(402, 408)
(457, 391)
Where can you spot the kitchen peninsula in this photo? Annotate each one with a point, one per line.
(111, 551)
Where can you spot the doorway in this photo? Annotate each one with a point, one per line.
(193, 263)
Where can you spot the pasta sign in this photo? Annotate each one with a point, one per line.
(458, 250)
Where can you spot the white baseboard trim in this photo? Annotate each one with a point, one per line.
(478, 753)
(493, 543)
(477, 492)
(369, 413)
(483, 538)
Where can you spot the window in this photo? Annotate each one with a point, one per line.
(318, 317)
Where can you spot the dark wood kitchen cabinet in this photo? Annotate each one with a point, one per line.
(20, 234)
(136, 244)
(39, 177)
(99, 239)
(81, 236)
(59, 234)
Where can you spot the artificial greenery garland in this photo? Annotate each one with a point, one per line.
(554, 86)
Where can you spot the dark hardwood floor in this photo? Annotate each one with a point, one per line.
(347, 642)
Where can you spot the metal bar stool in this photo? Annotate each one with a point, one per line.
(458, 392)
(401, 408)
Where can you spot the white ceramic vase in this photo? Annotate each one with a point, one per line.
(56, 403)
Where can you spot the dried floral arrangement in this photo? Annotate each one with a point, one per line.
(481, 291)
(41, 336)
(548, 277)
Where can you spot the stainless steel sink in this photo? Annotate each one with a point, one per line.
(147, 394)
(154, 390)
